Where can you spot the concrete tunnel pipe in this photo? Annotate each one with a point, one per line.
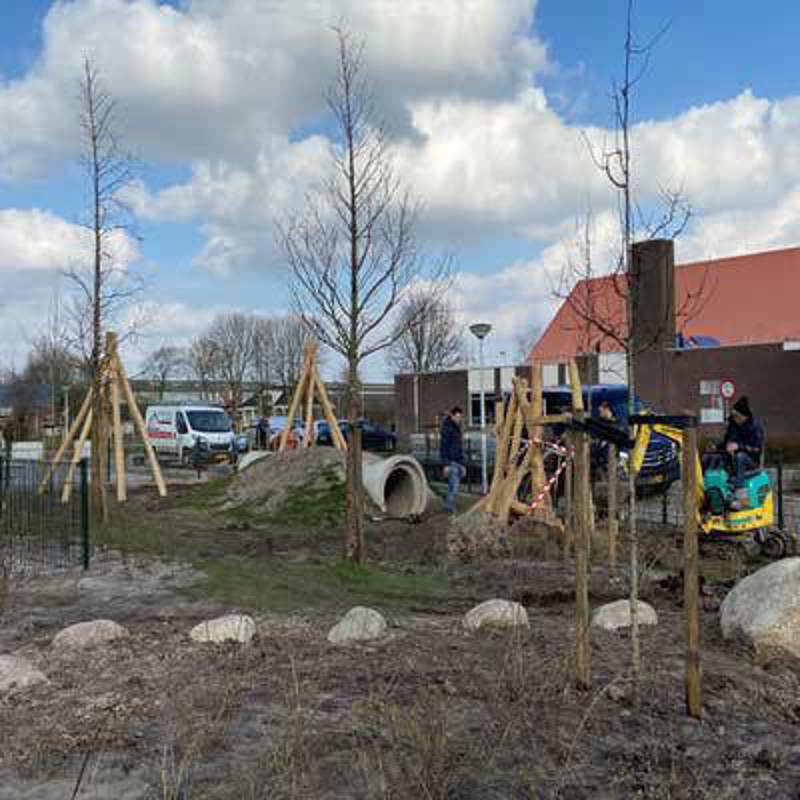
(397, 485)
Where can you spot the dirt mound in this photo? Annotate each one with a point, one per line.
(282, 480)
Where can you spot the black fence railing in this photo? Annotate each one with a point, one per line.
(37, 528)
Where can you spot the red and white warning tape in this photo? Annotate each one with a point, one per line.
(565, 455)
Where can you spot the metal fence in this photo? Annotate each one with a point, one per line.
(37, 529)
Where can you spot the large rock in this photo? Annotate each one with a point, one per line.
(17, 673)
(230, 628)
(613, 616)
(496, 614)
(89, 634)
(763, 609)
(357, 625)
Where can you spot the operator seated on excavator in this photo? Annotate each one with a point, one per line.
(744, 441)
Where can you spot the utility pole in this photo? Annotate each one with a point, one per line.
(481, 330)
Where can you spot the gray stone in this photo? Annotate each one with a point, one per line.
(357, 625)
(89, 634)
(230, 628)
(613, 616)
(17, 673)
(763, 610)
(496, 614)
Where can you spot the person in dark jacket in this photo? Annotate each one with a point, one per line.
(744, 440)
(451, 451)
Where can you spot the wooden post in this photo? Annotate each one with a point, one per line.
(66, 490)
(613, 509)
(582, 511)
(138, 423)
(308, 433)
(569, 495)
(327, 411)
(305, 377)
(74, 428)
(116, 417)
(691, 577)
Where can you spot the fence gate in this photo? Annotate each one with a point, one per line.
(38, 530)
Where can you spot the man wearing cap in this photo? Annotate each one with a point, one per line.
(744, 439)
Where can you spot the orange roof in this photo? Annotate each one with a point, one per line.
(752, 299)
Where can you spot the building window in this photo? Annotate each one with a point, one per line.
(475, 409)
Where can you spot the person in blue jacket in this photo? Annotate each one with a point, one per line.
(744, 440)
(451, 452)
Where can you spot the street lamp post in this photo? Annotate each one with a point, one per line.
(481, 330)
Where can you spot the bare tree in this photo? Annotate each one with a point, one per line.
(427, 336)
(600, 320)
(203, 363)
(104, 286)
(291, 334)
(352, 253)
(166, 363)
(231, 342)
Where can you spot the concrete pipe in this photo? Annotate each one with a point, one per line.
(396, 485)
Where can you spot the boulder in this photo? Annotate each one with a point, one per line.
(496, 614)
(617, 615)
(89, 634)
(359, 624)
(763, 609)
(17, 673)
(230, 628)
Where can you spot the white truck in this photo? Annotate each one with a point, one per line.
(173, 431)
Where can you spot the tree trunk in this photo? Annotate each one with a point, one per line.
(354, 541)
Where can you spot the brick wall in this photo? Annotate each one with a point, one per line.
(767, 374)
(438, 393)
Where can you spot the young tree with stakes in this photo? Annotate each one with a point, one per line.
(353, 253)
(595, 315)
(106, 286)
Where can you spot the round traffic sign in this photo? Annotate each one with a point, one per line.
(727, 389)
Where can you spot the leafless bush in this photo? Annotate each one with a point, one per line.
(409, 751)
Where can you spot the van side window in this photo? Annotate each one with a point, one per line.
(180, 423)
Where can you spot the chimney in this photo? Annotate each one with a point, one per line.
(653, 293)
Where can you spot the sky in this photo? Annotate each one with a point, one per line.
(489, 105)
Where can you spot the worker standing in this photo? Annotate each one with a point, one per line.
(451, 451)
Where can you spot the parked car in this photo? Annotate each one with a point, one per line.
(661, 465)
(373, 437)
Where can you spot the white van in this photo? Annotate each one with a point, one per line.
(173, 430)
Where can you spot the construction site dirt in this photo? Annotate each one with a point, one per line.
(428, 710)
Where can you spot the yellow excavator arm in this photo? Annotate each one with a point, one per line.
(641, 437)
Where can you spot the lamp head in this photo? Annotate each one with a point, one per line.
(480, 329)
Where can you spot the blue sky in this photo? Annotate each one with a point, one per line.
(221, 102)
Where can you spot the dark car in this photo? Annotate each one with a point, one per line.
(661, 465)
(373, 437)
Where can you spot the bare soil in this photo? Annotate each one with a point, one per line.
(428, 712)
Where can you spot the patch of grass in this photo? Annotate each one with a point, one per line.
(207, 495)
(299, 586)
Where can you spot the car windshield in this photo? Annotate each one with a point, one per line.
(209, 421)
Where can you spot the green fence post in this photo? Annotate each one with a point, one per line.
(85, 512)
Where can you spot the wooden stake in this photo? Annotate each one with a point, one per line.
(308, 434)
(73, 430)
(582, 494)
(327, 411)
(575, 386)
(119, 444)
(66, 491)
(295, 402)
(691, 577)
(613, 508)
(138, 423)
